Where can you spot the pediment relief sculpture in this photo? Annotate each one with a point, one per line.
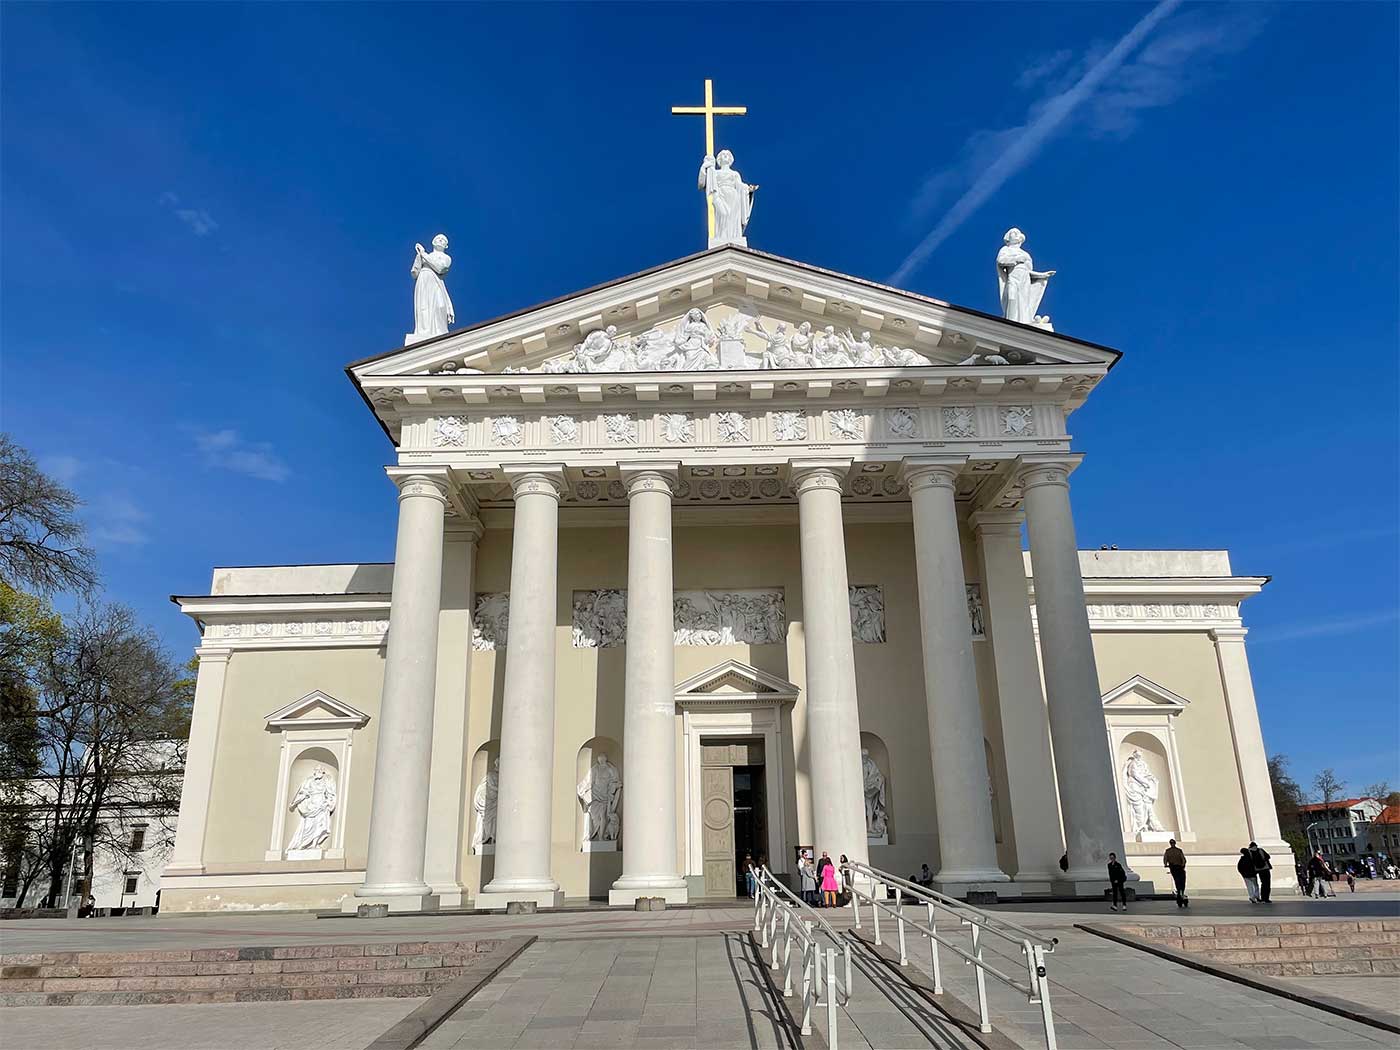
(699, 342)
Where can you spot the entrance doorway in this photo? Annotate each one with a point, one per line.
(734, 805)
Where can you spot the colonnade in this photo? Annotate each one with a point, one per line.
(399, 809)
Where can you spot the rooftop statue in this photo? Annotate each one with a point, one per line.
(729, 195)
(432, 306)
(1021, 287)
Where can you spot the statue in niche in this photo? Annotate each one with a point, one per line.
(432, 307)
(975, 613)
(600, 792)
(1022, 287)
(484, 805)
(1140, 789)
(877, 820)
(729, 195)
(314, 803)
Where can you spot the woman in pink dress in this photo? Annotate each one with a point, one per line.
(830, 885)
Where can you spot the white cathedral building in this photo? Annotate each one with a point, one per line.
(722, 559)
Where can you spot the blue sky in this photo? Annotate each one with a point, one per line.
(209, 210)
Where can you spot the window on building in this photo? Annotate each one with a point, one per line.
(130, 886)
(138, 838)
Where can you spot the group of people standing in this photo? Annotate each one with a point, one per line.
(1255, 869)
(822, 883)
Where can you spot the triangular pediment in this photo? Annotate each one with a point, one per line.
(733, 681)
(737, 286)
(316, 710)
(1144, 695)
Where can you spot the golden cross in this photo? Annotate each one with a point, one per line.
(710, 111)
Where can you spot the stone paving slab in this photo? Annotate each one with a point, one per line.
(334, 1025)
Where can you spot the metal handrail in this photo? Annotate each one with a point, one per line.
(775, 905)
(1033, 946)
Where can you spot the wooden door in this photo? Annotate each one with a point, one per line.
(717, 829)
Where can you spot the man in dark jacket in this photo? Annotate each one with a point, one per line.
(1175, 861)
(1320, 875)
(1262, 866)
(1117, 882)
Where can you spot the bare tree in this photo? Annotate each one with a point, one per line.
(41, 538)
(1288, 797)
(112, 718)
(1329, 786)
(1381, 791)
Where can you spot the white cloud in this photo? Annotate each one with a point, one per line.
(228, 450)
(62, 469)
(116, 521)
(1324, 628)
(1106, 91)
(200, 222)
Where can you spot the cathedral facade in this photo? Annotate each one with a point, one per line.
(722, 560)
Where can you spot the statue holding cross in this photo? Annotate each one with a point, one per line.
(728, 199)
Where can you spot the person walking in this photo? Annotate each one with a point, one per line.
(829, 883)
(1175, 862)
(1117, 883)
(749, 882)
(1245, 866)
(1263, 865)
(1318, 873)
(1351, 880)
(809, 880)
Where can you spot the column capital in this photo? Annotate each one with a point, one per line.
(650, 476)
(1228, 634)
(430, 482)
(921, 472)
(1049, 468)
(997, 522)
(809, 475)
(536, 479)
(212, 655)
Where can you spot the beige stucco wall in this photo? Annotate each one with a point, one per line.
(589, 706)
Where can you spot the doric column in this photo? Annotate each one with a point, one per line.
(524, 805)
(966, 837)
(833, 720)
(447, 785)
(398, 815)
(1085, 771)
(1250, 756)
(187, 858)
(1033, 806)
(649, 865)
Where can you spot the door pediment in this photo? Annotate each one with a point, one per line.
(733, 681)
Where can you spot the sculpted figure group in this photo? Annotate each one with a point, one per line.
(697, 345)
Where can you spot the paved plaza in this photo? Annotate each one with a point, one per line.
(692, 978)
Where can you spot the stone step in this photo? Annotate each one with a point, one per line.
(1287, 949)
(225, 975)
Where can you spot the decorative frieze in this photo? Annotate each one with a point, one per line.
(676, 428)
(845, 424)
(507, 431)
(330, 631)
(701, 618)
(867, 614)
(563, 430)
(449, 432)
(491, 621)
(620, 428)
(903, 423)
(1017, 421)
(959, 421)
(1165, 612)
(732, 426)
(789, 426)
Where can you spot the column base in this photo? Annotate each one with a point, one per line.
(626, 890)
(954, 876)
(450, 895)
(1096, 888)
(398, 903)
(489, 899)
(978, 887)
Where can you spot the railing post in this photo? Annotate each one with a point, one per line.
(986, 1023)
(899, 916)
(933, 951)
(875, 909)
(830, 998)
(808, 951)
(855, 905)
(1042, 986)
(847, 947)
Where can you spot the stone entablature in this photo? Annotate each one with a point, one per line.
(290, 621)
